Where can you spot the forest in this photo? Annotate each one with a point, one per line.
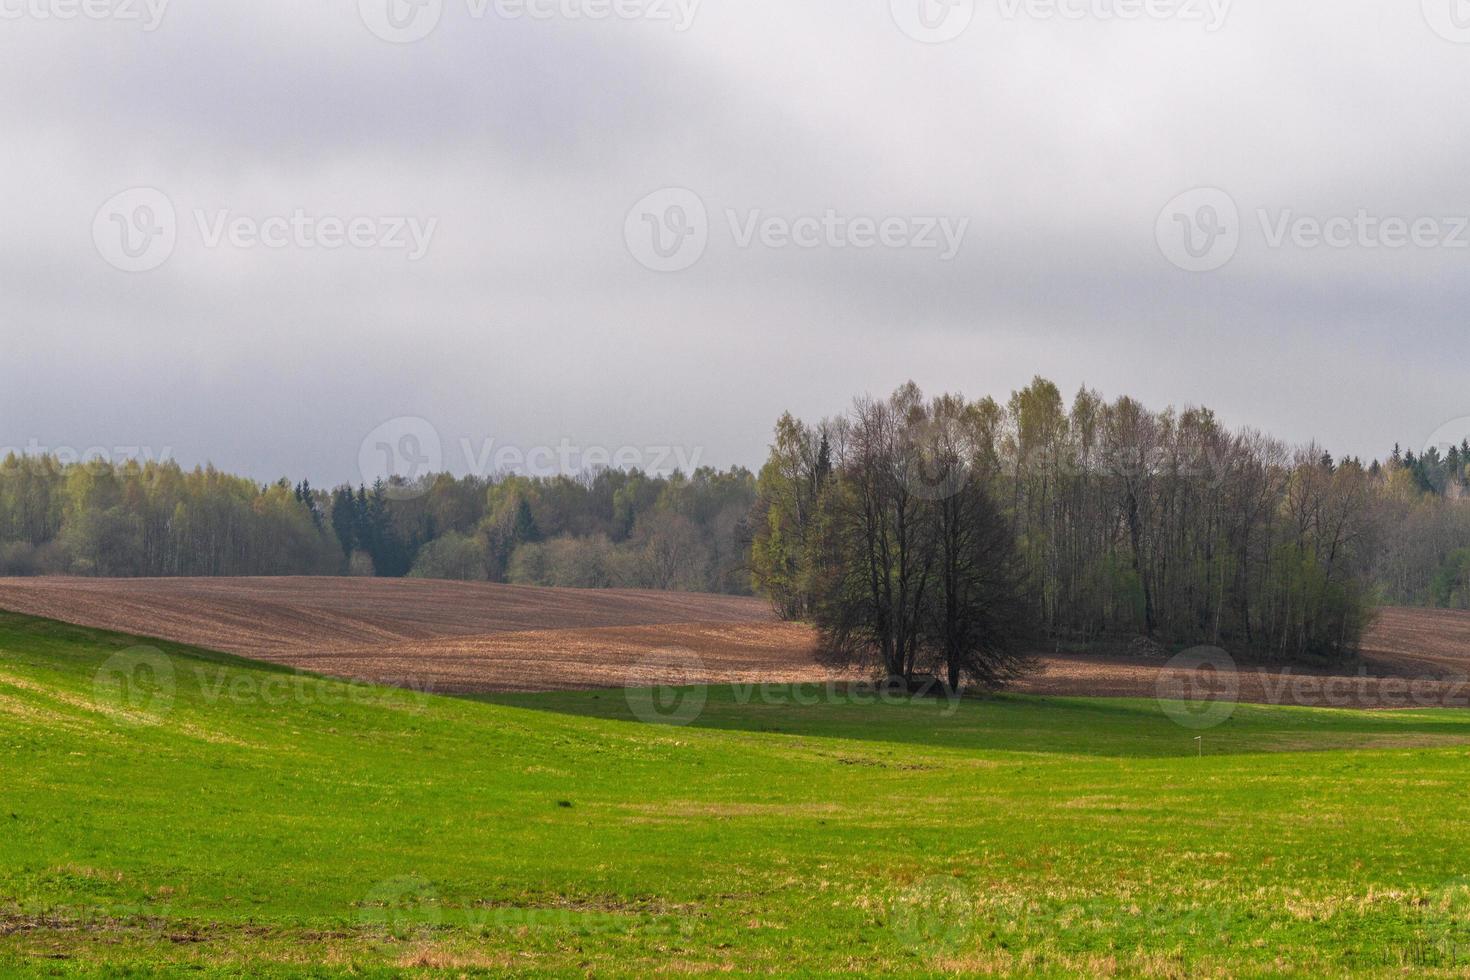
(600, 530)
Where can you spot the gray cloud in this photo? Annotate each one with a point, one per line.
(528, 321)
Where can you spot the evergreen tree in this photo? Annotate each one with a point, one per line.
(344, 520)
(524, 530)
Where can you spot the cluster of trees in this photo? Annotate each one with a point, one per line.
(1125, 521)
(608, 529)
(872, 526)
(1442, 473)
(1425, 555)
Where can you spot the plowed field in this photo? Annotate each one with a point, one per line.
(455, 637)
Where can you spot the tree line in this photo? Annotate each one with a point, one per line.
(1123, 522)
(600, 530)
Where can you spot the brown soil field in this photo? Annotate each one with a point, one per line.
(453, 637)
(446, 637)
(1419, 642)
(1410, 658)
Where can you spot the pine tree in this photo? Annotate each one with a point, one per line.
(525, 530)
(344, 520)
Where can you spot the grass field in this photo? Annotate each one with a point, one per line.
(238, 819)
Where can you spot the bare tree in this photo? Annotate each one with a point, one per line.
(918, 566)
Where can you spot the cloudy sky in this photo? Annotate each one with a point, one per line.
(259, 233)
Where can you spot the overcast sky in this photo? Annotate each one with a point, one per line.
(254, 233)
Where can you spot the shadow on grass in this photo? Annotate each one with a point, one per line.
(1107, 727)
(68, 643)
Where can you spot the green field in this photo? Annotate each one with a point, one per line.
(242, 820)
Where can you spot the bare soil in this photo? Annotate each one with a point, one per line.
(447, 637)
(453, 637)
